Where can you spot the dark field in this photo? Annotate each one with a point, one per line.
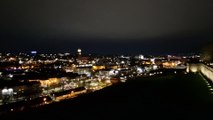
(174, 96)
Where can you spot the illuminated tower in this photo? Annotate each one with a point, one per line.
(79, 51)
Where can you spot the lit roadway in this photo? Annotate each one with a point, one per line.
(66, 96)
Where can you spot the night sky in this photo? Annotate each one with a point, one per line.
(106, 26)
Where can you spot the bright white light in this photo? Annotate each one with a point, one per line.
(7, 91)
(4, 92)
(33, 52)
(10, 90)
(21, 62)
(152, 60)
(141, 57)
(139, 70)
(10, 75)
(155, 67)
(113, 72)
(79, 50)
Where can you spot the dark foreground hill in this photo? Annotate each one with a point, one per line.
(168, 96)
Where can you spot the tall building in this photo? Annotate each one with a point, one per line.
(79, 51)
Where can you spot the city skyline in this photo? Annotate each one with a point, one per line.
(122, 48)
(71, 59)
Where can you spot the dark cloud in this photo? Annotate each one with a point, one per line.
(54, 22)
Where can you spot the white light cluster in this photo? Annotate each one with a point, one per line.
(6, 91)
